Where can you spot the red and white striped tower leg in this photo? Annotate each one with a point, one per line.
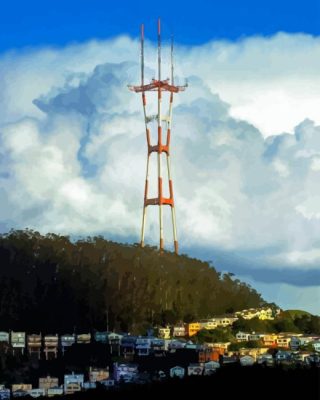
(144, 215)
(173, 212)
(160, 143)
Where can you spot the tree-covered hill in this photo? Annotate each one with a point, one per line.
(52, 284)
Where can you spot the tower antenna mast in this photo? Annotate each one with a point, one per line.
(159, 86)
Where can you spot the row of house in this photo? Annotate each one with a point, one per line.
(124, 344)
(192, 328)
(263, 313)
(129, 373)
(210, 357)
(285, 340)
(127, 344)
(50, 344)
(122, 373)
(49, 386)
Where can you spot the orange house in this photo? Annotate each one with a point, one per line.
(220, 348)
(193, 328)
(270, 340)
(208, 355)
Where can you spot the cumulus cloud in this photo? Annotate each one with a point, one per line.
(73, 150)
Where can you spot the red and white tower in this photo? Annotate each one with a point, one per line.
(164, 123)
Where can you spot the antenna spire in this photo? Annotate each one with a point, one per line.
(159, 50)
(172, 67)
(142, 54)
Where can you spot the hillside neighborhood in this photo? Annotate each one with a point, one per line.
(180, 350)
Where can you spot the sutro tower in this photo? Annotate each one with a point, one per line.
(163, 120)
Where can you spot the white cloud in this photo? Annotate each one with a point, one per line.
(78, 165)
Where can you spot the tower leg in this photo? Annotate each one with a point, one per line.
(160, 142)
(173, 216)
(173, 212)
(160, 205)
(144, 215)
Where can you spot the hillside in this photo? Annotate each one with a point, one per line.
(51, 284)
(297, 313)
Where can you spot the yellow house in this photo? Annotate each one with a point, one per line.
(164, 333)
(208, 324)
(21, 386)
(261, 313)
(265, 313)
(224, 320)
(98, 374)
(193, 328)
(48, 382)
(284, 342)
(253, 352)
(72, 387)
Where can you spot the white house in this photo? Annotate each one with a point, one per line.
(283, 356)
(210, 367)
(255, 336)
(4, 337)
(107, 383)
(19, 393)
(128, 344)
(242, 336)
(294, 343)
(246, 361)
(179, 331)
(143, 346)
(176, 344)
(126, 372)
(4, 393)
(266, 359)
(316, 345)
(51, 345)
(177, 371)
(36, 392)
(89, 385)
(158, 346)
(114, 338)
(67, 341)
(55, 391)
(18, 341)
(195, 369)
(73, 383)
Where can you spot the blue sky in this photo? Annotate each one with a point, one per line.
(25, 23)
(245, 143)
